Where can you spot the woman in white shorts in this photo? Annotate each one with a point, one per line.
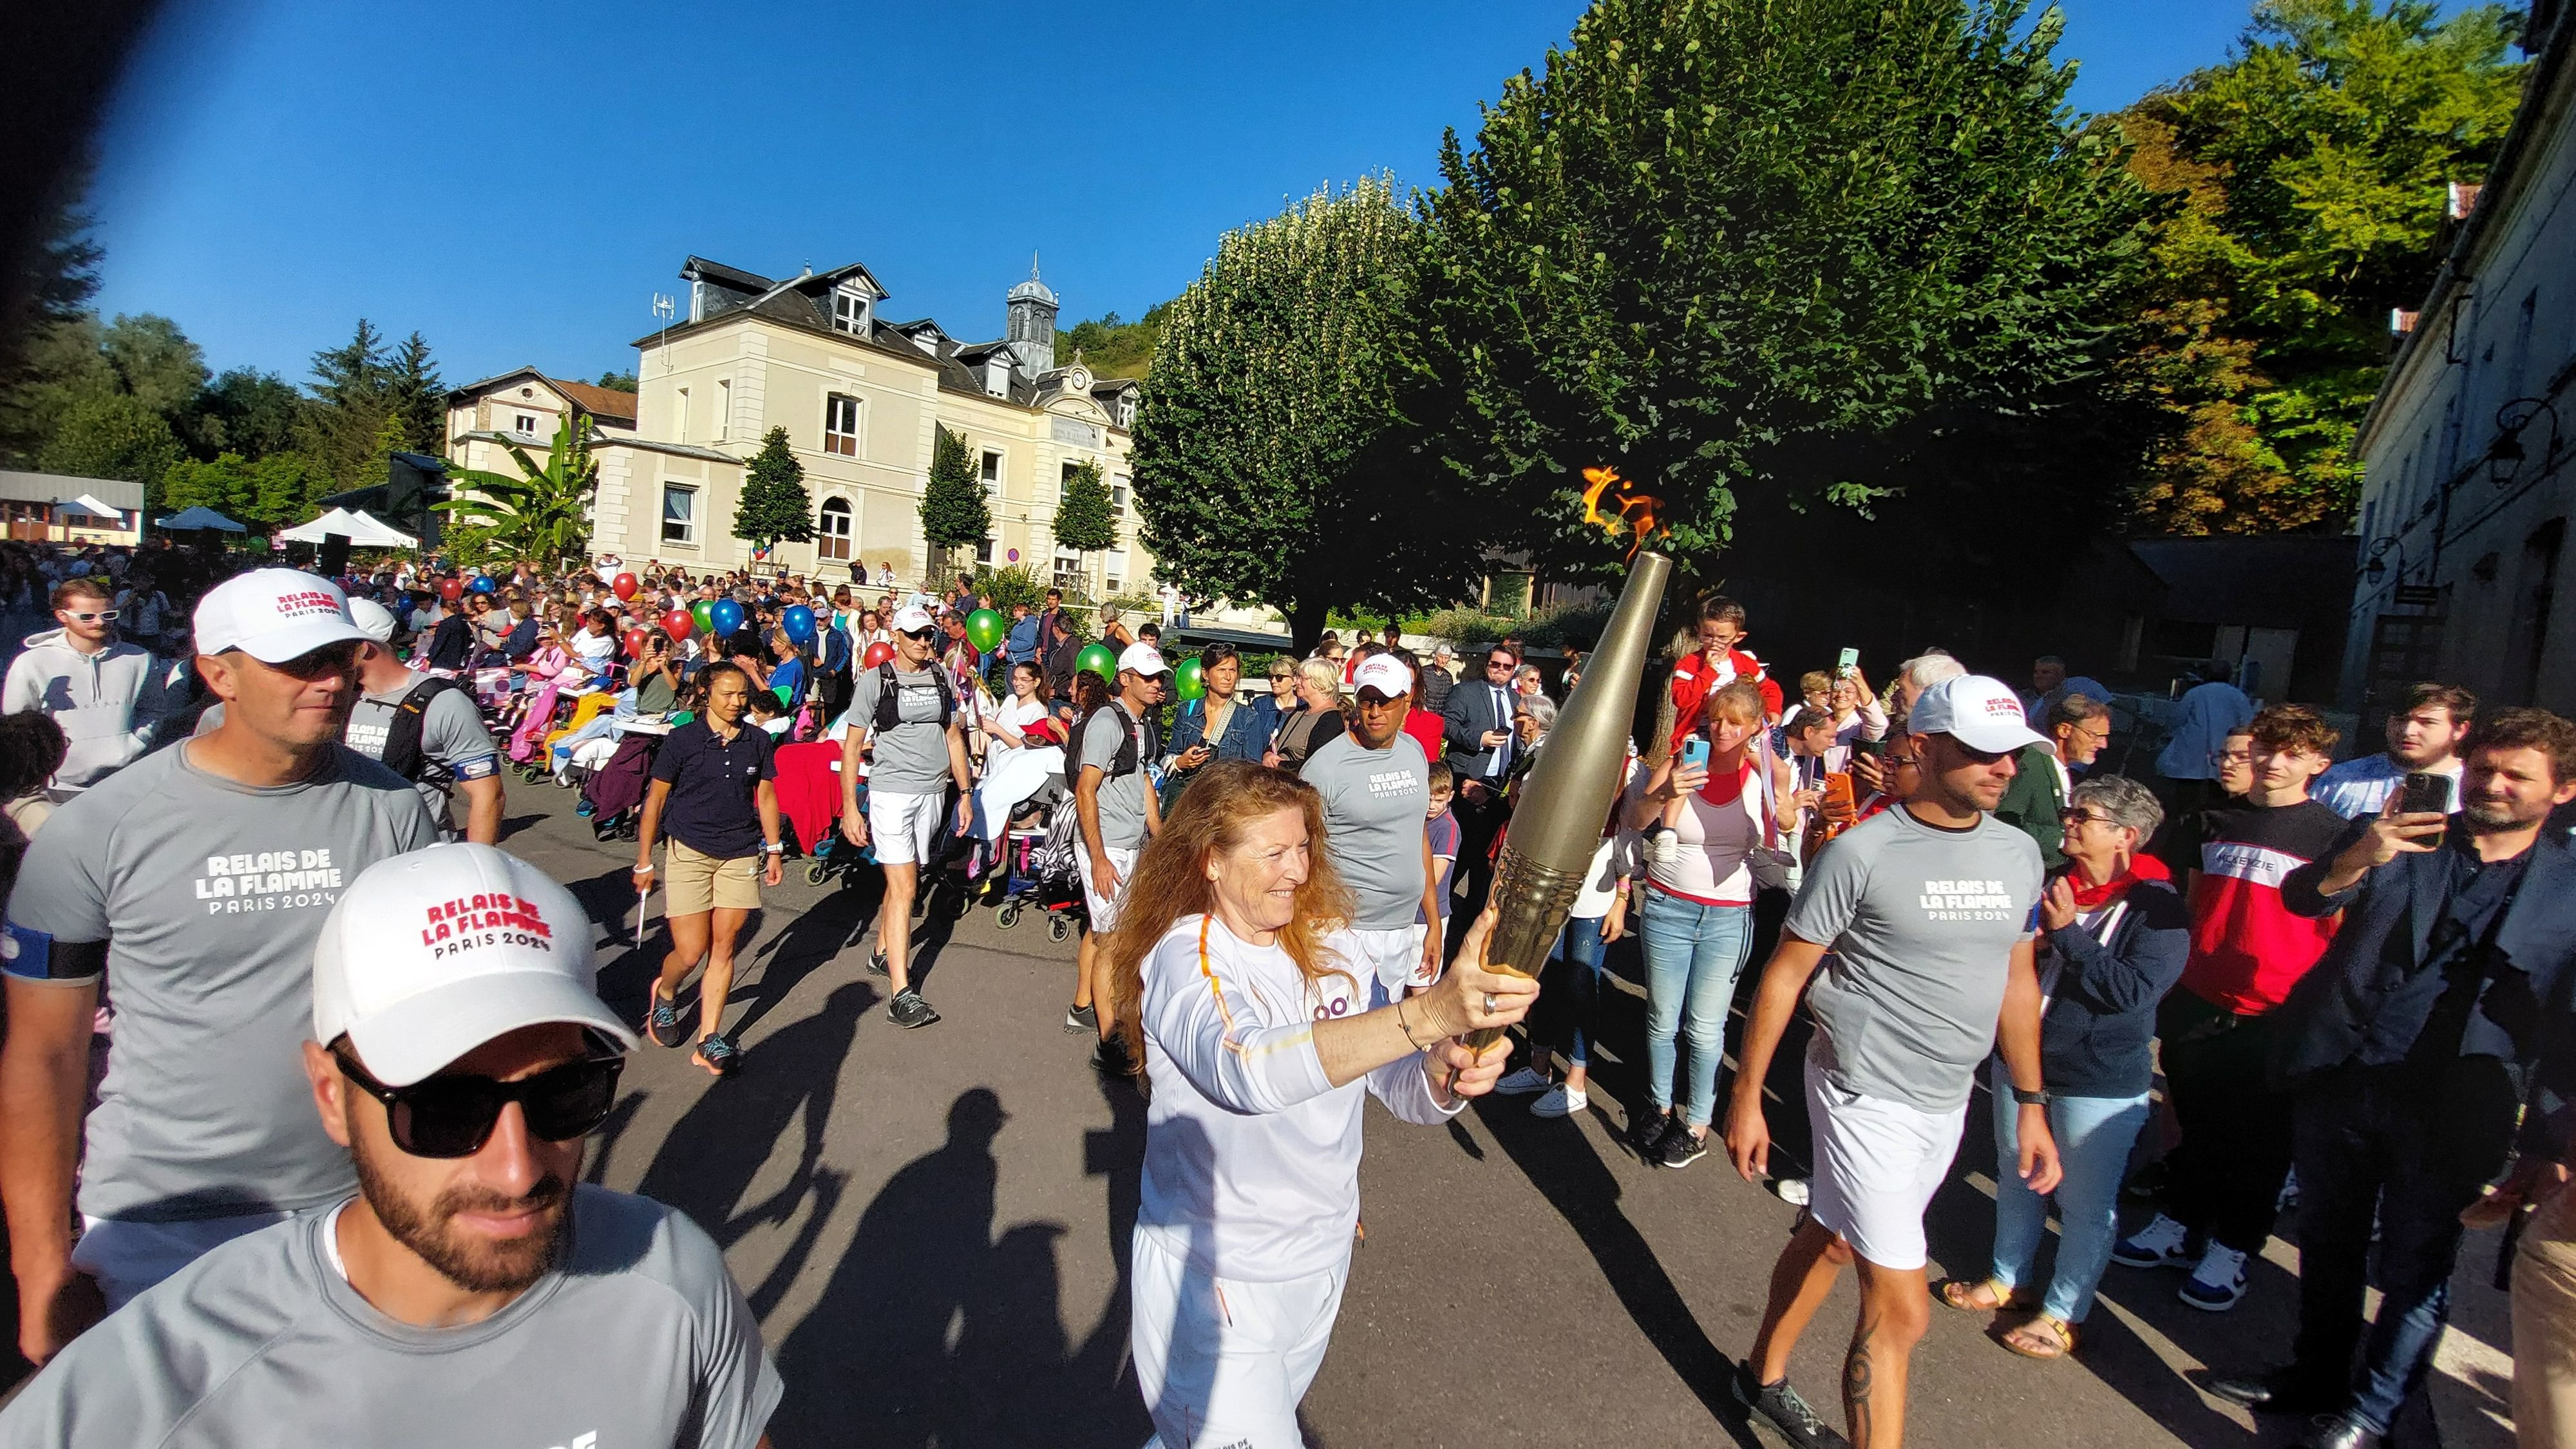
(1239, 989)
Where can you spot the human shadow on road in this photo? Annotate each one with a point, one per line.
(719, 1146)
(1561, 1162)
(930, 1330)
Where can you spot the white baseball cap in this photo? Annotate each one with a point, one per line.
(373, 619)
(1142, 659)
(273, 615)
(429, 955)
(1977, 711)
(1384, 673)
(910, 619)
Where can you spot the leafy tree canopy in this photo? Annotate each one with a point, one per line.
(774, 504)
(954, 510)
(1715, 245)
(2309, 180)
(542, 514)
(1083, 521)
(617, 381)
(1111, 346)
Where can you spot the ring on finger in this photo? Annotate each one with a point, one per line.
(1489, 1003)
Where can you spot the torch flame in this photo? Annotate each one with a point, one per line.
(1636, 511)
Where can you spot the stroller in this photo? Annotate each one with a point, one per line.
(615, 792)
(1038, 865)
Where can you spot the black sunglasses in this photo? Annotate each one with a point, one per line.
(919, 635)
(454, 1116)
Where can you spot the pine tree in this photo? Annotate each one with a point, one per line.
(417, 398)
(954, 513)
(1083, 522)
(775, 506)
(351, 398)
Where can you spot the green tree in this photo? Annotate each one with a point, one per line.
(1270, 467)
(1112, 346)
(542, 515)
(266, 493)
(2307, 181)
(1751, 251)
(156, 363)
(954, 511)
(60, 279)
(774, 506)
(112, 435)
(248, 412)
(617, 381)
(1083, 521)
(351, 399)
(417, 400)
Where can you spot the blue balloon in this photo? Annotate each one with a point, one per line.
(483, 584)
(725, 616)
(799, 622)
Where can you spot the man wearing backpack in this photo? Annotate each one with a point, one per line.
(1114, 800)
(905, 712)
(423, 727)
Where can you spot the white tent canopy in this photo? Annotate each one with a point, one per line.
(199, 517)
(358, 528)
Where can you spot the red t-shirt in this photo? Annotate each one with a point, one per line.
(1694, 680)
(2247, 950)
(1425, 728)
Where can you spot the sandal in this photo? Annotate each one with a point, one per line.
(2044, 1336)
(1960, 1293)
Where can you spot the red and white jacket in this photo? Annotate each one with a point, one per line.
(1694, 680)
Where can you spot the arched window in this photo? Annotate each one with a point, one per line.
(832, 531)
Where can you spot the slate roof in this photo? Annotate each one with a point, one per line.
(604, 403)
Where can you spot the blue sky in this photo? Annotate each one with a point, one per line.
(516, 182)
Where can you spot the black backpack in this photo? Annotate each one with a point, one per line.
(402, 741)
(1123, 764)
(888, 705)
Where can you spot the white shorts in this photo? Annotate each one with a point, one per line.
(1104, 909)
(904, 827)
(1877, 1165)
(1395, 957)
(1223, 1363)
(127, 1257)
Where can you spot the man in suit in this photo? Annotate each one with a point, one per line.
(2446, 1001)
(1476, 720)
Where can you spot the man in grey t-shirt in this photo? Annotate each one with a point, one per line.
(1925, 910)
(197, 877)
(472, 1293)
(915, 743)
(1116, 809)
(1376, 786)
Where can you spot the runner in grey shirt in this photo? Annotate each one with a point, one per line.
(197, 878)
(471, 1293)
(912, 757)
(1376, 785)
(1111, 730)
(913, 761)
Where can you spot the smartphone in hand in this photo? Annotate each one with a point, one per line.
(1849, 662)
(2424, 792)
(1695, 753)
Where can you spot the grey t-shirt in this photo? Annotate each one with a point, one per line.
(1122, 799)
(1376, 807)
(1922, 922)
(453, 743)
(638, 1338)
(209, 894)
(912, 757)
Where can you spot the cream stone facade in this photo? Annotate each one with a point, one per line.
(524, 408)
(860, 398)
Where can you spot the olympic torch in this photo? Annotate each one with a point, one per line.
(1566, 798)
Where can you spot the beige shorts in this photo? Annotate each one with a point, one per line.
(694, 883)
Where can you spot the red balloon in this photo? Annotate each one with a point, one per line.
(878, 653)
(624, 586)
(636, 639)
(678, 624)
(449, 589)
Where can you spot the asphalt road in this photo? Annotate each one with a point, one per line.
(932, 1227)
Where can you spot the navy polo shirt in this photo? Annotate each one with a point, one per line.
(713, 784)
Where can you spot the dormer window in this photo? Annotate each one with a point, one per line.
(997, 375)
(927, 341)
(1127, 411)
(850, 311)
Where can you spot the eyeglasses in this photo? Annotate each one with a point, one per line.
(93, 616)
(2074, 816)
(1898, 762)
(450, 1117)
(1504, 665)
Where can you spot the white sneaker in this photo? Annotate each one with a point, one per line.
(1522, 1082)
(1791, 1190)
(2157, 1245)
(2218, 1282)
(1560, 1101)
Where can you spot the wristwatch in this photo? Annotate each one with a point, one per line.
(774, 848)
(2030, 1099)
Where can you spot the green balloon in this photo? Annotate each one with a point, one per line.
(1191, 676)
(984, 629)
(704, 612)
(1098, 659)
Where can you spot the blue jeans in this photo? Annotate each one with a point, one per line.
(1693, 953)
(2094, 1135)
(1581, 945)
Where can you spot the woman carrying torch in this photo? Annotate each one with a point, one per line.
(1239, 989)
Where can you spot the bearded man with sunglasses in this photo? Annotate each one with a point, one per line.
(107, 695)
(470, 1292)
(200, 876)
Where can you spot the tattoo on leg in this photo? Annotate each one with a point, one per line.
(1856, 1383)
